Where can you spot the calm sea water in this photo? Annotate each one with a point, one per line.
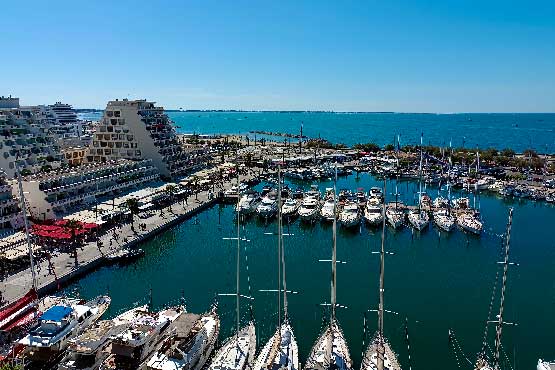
(437, 281)
(518, 131)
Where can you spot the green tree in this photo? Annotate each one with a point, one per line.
(507, 152)
(170, 191)
(132, 205)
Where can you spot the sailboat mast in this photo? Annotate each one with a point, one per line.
(503, 287)
(381, 345)
(420, 176)
(280, 236)
(26, 222)
(279, 247)
(334, 251)
(238, 256)
(397, 177)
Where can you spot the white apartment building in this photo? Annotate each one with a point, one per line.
(137, 129)
(25, 136)
(10, 213)
(54, 194)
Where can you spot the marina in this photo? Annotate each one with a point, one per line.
(451, 254)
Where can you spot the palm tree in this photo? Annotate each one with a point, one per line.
(73, 226)
(170, 191)
(132, 205)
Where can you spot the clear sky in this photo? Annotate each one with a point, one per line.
(385, 55)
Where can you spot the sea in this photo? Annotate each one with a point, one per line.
(518, 131)
(434, 282)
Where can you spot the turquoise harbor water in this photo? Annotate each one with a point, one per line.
(437, 281)
(518, 131)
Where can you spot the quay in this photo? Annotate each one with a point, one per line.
(93, 255)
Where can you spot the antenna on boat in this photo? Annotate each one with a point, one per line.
(26, 222)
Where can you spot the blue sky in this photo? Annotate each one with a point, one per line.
(410, 56)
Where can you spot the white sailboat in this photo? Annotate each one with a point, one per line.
(444, 219)
(248, 203)
(331, 350)
(483, 362)
(419, 218)
(394, 215)
(379, 355)
(281, 351)
(469, 222)
(237, 352)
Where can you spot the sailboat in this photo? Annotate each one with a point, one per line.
(483, 362)
(237, 352)
(281, 351)
(330, 350)
(419, 218)
(394, 215)
(379, 355)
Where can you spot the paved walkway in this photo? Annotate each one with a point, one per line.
(91, 255)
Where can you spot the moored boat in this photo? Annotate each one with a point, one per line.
(444, 219)
(418, 219)
(373, 211)
(190, 345)
(469, 222)
(290, 208)
(90, 349)
(350, 215)
(143, 337)
(59, 324)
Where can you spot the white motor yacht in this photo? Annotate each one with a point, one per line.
(328, 209)
(444, 220)
(268, 207)
(61, 323)
(90, 349)
(290, 208)
(309, 209)
(373, 213)
(350, 215)
(144, 336)
(248, 203)
(188, 347)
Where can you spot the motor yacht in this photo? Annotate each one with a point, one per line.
(373, 213)
(350, 215)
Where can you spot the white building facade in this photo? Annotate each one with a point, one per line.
(55, 194)
(137, 129)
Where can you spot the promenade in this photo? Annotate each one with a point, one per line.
(63, 267)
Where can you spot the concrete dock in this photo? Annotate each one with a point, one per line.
(91, 256)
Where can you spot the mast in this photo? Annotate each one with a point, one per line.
(333, 297)
(238, 257)
(381, 347)
(397, 179)
(26, 222)
(503, 287)
(420, 176)
(282, 249)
